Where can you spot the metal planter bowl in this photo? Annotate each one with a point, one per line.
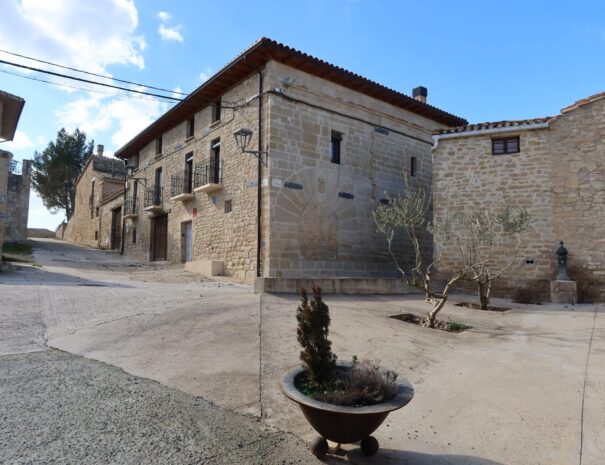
(344, 425)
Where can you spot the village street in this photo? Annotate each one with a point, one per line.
(106, 360)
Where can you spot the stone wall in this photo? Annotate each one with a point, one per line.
(17, 208)
(84, 226)
(559, 176)
(577, 145)
(111, 203)
(5, 158)
(217, 235)
(319, 216)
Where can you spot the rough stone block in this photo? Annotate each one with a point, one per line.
(563, 292)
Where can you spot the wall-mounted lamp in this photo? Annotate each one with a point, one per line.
(243, 138)
(130, 171)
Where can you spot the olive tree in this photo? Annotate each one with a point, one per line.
(480, 242)
(409, 213)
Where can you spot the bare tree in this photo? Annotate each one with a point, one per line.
(485, 244)
(488, 244)
(410, 212)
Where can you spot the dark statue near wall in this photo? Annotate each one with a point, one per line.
(562, 262)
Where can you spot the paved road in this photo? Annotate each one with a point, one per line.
(60, 408)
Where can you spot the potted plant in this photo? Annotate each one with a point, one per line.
(344, 402)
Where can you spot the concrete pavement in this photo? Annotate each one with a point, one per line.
(509, 391)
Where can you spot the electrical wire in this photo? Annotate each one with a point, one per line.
(89, 73)
(58, 84)
(52, 73)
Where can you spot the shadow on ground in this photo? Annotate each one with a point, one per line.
(402, 457)
(41, 277)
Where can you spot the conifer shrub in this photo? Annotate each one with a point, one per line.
(317, 358)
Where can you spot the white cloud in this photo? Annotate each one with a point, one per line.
(124, 117)
(205, 75)
(177, 92)
(171, 33)
(164, 16)
(86, 35)
(20, 142)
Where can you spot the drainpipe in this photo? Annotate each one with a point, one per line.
(260, 172)
(123, 239)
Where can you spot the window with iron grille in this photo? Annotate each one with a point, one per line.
(504, 145)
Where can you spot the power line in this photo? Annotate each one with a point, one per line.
(52, 73)
(89, 73)
(80, 88)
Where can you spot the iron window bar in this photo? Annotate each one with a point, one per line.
(210, 171)
(181, 184)
(153, 197)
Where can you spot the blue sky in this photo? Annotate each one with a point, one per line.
(517, 60)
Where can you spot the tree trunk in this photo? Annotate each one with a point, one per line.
(483, 295)
(429, 320)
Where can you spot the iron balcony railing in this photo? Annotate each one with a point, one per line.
(209, 171)
(153, 197)
(15, 167)
(181, 184)
(130, 207)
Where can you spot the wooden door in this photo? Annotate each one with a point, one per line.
(116, 228)
(187, 233)
(160, 238)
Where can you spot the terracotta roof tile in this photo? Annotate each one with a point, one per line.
(494, 125)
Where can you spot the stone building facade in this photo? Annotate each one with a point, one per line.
(555, 169)
(97, 217)
(331, 142)
(14, 197)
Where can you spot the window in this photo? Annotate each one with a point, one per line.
(215, 161)
(505, 145)
(216, 112)
(413, 166)
(190, 128)
(96, 235)
(228, 206)
(134, 235)
(158, 146)
(188, 178)
(335, 147)
(135, 188)
(97, 212)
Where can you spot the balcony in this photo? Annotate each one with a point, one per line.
(130, 209)
(208, 176)
(153, 199)
(181, 187)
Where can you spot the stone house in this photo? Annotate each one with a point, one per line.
(97, 217)
(554, 167)
(323, 145)
(14, 175)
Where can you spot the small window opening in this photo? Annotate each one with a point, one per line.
(216, 112)
(96, 235)
(158, 146)
(413, 166)
(134, 235)
(97, 212)
(504, 145)
(336, 141)
(228, 206)
(190, 128)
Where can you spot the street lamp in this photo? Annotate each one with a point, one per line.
(242, 138)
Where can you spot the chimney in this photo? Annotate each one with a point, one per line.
(100, 150)
(420, 93)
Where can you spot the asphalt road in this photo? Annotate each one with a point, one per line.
(60, 408)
